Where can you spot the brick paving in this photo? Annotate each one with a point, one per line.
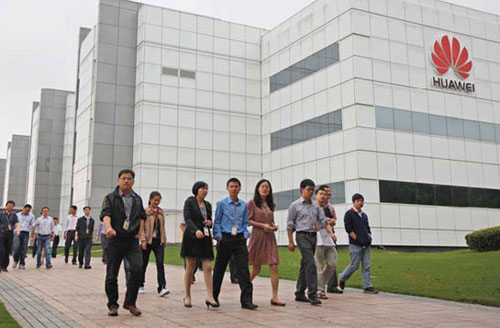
(66, 296)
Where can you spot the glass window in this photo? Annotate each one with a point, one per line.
(285, 78)
(407, 193)
(389, 191)
(296, 194)
(471, 130)
(460, 196)
(275, 140)
(487, 131)
(298, 133)
(438, 125)
(311, 64)
(187, 74)
(455, 127)
(425, 194)
(420, 122)
(312, 130)
(285, 137)
(477, 197)
(273, 83)
(402, 120)
(443, 195)
(384, 118)
(338, 192)
(490, 198)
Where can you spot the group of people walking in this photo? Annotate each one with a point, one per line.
(126, 220)
(130, 232)
(18, 229)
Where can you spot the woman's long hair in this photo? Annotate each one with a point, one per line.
(152, 195)
(269, 198)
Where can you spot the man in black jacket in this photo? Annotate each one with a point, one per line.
(360, 239)
(123, 216)
(83, 236)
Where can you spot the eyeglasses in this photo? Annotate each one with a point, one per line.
(127, 179)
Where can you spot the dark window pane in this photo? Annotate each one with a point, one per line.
(425, 194)
(477, 197)
(322, 60)
(497, 132)
(311, 64)
(285, 137)
(438, 125)
(460, 196)
(284, 78)
(455, 127)
(443, 195)
(273, 83)
(296, 74)
(471, 130)
(312, 130)
(274, 140)
(298, 134)
(384, 118)
(420, 122)
(338, 193)
(402, 120)
(490, 198)
(296, 194)
(407, 193)
(389, 191)
(487, 131)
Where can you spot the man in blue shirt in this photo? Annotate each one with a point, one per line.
(231, 233)
(8, 223)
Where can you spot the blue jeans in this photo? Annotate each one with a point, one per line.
(21, 247)
(358, 255)
(43, 241)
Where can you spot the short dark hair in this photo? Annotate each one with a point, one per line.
(197, 186)
(86, 207)
(45, 207)
(10, 202)
(306, 183)
(322, 188)
(28, 206)
(126, 171)
(56, 219)
(74, 207)
(235, 180)
(356, 197)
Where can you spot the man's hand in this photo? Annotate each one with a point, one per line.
(219, 240)
(76, 238)
(199, 234)
(334, 238)
(110, 233)
(18, 233)
(208, 223)
(291, 247)
(144, 245)
(332, 222)
(353, 235)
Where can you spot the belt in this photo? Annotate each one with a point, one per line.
(308, 233)
(45, 235)
(228, 235)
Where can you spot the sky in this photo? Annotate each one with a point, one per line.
(38, 43)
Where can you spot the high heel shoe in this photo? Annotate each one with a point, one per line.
(188, 305)
(214, 305)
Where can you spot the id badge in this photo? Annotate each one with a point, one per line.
(126, 223)
(206, 231)
(154, 234)
(234, 231)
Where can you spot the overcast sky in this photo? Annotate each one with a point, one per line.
(38, 43)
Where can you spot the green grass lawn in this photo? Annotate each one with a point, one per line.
(461, 275)
(6, 321)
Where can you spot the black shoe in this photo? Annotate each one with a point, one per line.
(341, 284)
(113, 311)
(80, 266)
(370, 290)
(249, 306)
(87, 267)
(301, 298)
(214, 305)
(335, 290)
(74, 263)
(314, 301)
(234, 281)
(66, 260)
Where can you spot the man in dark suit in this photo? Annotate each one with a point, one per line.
(83, 235)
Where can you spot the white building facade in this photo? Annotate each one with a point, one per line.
(393, 99)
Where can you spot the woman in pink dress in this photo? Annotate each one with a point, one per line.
(262, 246)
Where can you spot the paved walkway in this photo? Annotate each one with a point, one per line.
(67, 296)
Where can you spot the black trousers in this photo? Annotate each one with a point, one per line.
(225, 249)
(159, 252)
(308, 276)
(70, 238)
(333, 282)
(84, 248)
(104, 243)
(119, 249)
(55, 243)
(232, 270)
(6, 239)
(35, 246)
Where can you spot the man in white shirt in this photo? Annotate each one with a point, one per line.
(22, 237)
(69, 235)
(325, 246)
(57, 235)
(44, 229)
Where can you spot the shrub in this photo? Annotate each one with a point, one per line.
(484, 239)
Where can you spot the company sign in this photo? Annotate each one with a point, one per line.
(448, 55)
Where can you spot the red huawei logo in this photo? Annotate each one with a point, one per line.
(446, 55)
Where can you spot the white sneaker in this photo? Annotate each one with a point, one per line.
(15, 265)
(141, 290)
(164, 292)
(21, 267)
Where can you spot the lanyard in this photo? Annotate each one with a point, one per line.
(235, 215)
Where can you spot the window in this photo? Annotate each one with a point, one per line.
(187, 74)
(170, 71)
(438, 125)
(487, 131)
(471, 130)
(389, 191)
(455, 127)
(305, 67)
(402, 120)
(420, 123)
(426, 194)
(384, 117)
(283, 199)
